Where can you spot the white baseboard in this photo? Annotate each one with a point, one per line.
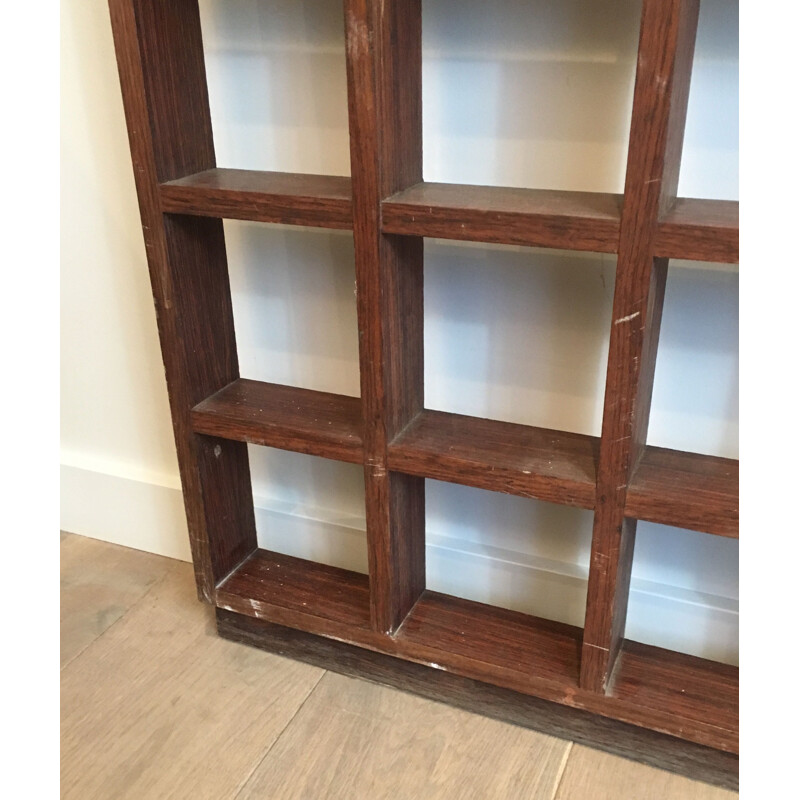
(145, 511)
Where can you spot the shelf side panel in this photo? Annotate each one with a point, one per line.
(159, 52)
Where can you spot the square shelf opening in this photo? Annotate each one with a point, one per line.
(518, 335)
(684, 593)
(309, 508)
(293, 292)
(510, 552)
(710, 161)
(695, 406)
(277, 84)
(490, 74)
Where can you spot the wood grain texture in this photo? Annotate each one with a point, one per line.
(269, 414)
(99, 583)
(295, 591)
(590, 773)
(516, 459)
(160, 58)
(687, 490)
(532, 217)
(353, 739)
(666, 46)
(384, 77)
(705, 693)
(700, 230)
(495, 641)
(566, 721)
(161, 707)
(289, 198)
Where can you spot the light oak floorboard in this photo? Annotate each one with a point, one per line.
(354, 740)
(600, 776)
(99, 583)
(161, 707)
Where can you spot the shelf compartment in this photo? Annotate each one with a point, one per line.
(301, 420)
(687, 490)
(289, 198)
(500, 456)
(703, 696)
(527, 653)
(700, 230)
(299, 593)
(498, 215)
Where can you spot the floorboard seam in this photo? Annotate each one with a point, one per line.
(562, 769)
(261, 760)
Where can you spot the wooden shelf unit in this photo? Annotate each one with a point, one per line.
(274, 601)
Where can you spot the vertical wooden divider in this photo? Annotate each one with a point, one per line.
(162, 73)
(384, 75)
(666, 49)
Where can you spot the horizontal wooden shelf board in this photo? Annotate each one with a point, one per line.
(501, 456)
(532, 217)
(688, 490)
(704, 694)
(465, 632)
(700, 230)
(290, 198)
(297, 592)
(302, 420)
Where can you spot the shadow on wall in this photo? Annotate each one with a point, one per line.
(517, 334)
(529, 93)
(278, 84)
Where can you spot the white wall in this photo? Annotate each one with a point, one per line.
(519, 92)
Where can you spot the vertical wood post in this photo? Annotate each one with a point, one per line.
(162, 73)
(384, 73)
(666, 48)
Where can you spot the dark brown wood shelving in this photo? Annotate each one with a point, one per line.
(537, 218)
(290, 198)
(316, 423)
(700, 230)
(501, 456)
(687, 490)
(702, 694)
(298, 593)
(387, 623)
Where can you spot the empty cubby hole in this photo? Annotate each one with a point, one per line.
(277, 84)
(512, 552)
(309, 507)
(529, 93)
(518, 334)
(710, 162)
(294, 305)
(695, 404)
(684, 592)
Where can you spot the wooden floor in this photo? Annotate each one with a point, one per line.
(155, 705)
